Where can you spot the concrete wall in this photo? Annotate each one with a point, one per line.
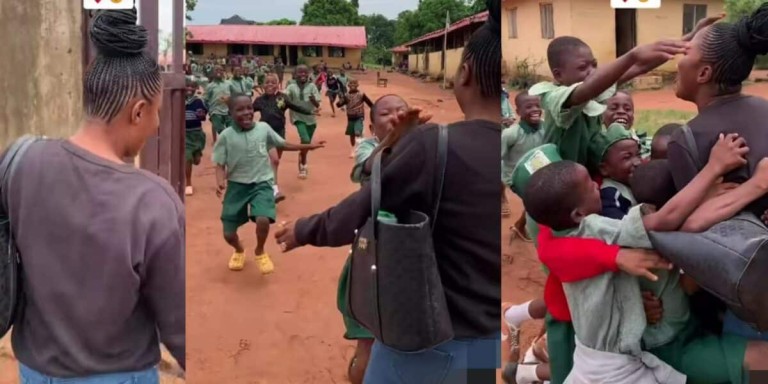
(351, 55)
(432, 67)
(41, 85)
(592, 21)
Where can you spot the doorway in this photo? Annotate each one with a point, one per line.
(284, 54)
(626, 30)
(293, 55)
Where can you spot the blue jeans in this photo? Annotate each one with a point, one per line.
(445, 364)
(150, 376)
(734, 326)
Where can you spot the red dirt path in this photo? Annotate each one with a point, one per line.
(283, 328)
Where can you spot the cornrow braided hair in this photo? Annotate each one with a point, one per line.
(732, 49)
(484, 51)
(121, 70)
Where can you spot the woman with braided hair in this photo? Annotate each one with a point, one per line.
(466, 229)
(101, 242)
(711, 74)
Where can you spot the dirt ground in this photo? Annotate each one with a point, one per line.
(283, 328)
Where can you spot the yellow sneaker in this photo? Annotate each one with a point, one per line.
(265, 264)
(237, 262)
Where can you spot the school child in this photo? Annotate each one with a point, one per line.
(607, 310)
(250, 68)
(507, 114)
(261, 74)
(305, 94)
(271, 107)
(620, 109)
(244, 171)
(660, 141)
(533, 368)
(620, 154)
(383, 109)
(280, 71)
(217, 98)
(343, 78)
(194, 141)
(239, 84)
(334, 91)
(318, 77)
(516, 141)
(355, 101)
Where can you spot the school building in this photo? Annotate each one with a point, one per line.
(295, 44)
(529, 25)
(399, 54)
(426, 53)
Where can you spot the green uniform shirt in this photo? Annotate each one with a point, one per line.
(571, 129)
(608, 296)
(515, 142)
(301, 97)
(250, 66)
(213, 95)
(343, 79)
(243, 85)
(246, 153)
(363, 151)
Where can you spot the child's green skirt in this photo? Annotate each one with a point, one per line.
(354, 330)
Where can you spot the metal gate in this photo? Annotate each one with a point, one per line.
(163, 153)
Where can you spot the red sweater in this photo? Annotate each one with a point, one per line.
(571, 259)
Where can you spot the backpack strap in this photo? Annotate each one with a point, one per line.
(10, 164)
(690, 142)
(442, 161)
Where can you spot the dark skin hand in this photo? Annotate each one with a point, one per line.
(653, 308)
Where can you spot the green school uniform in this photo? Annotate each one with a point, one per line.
(516, 141)
(217, 108)
(571, 129)
(363, 151)
(305, 124)
(243, 85)
(245, 154)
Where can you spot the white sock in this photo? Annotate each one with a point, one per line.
(516, 314)
(276, 189)
(529, 357)
(526, 374)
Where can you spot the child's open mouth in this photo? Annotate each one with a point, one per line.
(621, 120)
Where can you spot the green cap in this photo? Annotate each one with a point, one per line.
(531, 162)
(610, 136)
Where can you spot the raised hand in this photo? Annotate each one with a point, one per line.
(660, 51)
(728, 153)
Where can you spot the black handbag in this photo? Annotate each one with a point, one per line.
(10, 261)
(394, 283)
(730, 260)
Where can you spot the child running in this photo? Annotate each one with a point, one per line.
(382, 112)
(516, 141)
(305, 94)
(355, 101)
(216, 98)
(334, 91)
(239, 84)
(607, 310)
(271, 107)
(194, 140)
(244, 171)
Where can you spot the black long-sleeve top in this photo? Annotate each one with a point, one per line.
(272, 109)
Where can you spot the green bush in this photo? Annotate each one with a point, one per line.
(525, 73)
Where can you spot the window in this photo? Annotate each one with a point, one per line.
(336, 52)
(692, 13)
(195, 48)
(237, 49)
(262, 50)
(513, 23)
(547, 21)
(310, 51)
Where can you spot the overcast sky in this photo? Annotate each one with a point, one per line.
(212, 11)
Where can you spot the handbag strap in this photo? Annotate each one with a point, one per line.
(693, 149)
(442, 161)
(9, 165)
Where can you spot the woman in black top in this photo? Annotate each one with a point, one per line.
(466, 233)
(711, 74)
(271, 107)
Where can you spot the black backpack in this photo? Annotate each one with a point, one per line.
(10, 260)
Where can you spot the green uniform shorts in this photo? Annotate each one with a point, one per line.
(246, 201)
(306, 131)
(220, 122)
(194, 144)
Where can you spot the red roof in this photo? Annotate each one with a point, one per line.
(348, 37)
(478, 18)
(400, 49)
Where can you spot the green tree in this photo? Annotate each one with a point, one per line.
(380, 30)
(356, 4)
(478, 6)
(329, 12)
(191, 4)
(736, 9)
(282, 21)
(428, 17)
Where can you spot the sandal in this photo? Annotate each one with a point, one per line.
(237, 261)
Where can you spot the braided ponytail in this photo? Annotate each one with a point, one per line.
(484, 51)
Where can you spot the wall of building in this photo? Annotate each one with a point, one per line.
(433, 65)
(42, 79)
(351, 55)
(415, 62)
(592, 21)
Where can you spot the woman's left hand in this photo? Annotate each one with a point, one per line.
(286, 238)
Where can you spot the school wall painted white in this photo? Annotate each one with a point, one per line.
(590, 20)
(42, 79)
